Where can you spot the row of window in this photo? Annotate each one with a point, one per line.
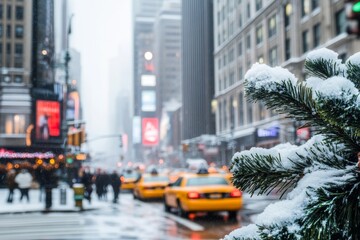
(19, 12)
(11, 79)
(13, 124)
(15, 55)
(237, 106)
(19, 31)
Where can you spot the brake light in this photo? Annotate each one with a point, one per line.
(235, 193)
(193, 195)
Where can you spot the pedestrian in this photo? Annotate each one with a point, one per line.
(98, 184)
(86, 179)
(105, 182)
(50, 181)
(116, 184)
(11, 184)
(24, 179)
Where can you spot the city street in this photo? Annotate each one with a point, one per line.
(129, 219)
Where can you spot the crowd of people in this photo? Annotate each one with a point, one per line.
(45, 179)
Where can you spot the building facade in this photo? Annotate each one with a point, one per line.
(278, 33)
(16, 21)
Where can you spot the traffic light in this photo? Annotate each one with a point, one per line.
(353, 16)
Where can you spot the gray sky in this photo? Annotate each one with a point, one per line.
(102, 32)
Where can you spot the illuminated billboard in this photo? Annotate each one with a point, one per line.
(73, 106)
(136, 129)
(148, 101)
(150, 131)
(47, 119)
(148, 80)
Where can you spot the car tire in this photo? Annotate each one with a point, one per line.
(167, 208)
(181, 211)
(232, 215)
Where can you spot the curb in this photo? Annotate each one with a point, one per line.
(50, 211)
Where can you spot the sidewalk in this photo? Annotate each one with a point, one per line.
(36, 206)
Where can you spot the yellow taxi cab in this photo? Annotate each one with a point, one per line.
(128, 180)
(203, 192)
(150, 185)
(175, 174)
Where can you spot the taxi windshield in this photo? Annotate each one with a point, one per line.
(205, 181)
(156, 179)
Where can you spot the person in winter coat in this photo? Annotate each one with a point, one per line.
(86, 179)
(24, 179)
(11, 184)
(50, 181)
(116, 184)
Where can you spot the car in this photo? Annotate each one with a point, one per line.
(128, 180)
(203, 192)
(150, 186)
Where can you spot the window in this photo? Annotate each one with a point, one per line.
(8, 31)
(18, 79)
(220, 116)
(232, 115)
(249, 113)
(19, 31)
(240, 51)
(240, 21)
(241, 110)
(231, 28)
(224, 60)
(273, 56)
(272, 26)
(19, 13)
(231, 55)
(8, 48)
(248, 11)
(262, 111)
(12, 124)
(240, 73)
(305, 7)
(287, 49)
(248, 42)
(1, 11)
(259, 34)
(305, 41)
(219, 63)
(225, 82)
(8, 12)
(316, 34)
(315, 4)
(258, 4)
(287, 14)
(340, 19)
(219, 39)
(223, 13)
(218, 18)
(232, 78)
(1, 30)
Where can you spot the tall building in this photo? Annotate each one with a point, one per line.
(16, 21)
(275, 33)
(197, 68)
(167, 62)
(145, 124)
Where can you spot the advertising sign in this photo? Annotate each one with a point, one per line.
(136, 130)
(47, 119)
(148, 80)
(150, 131)
(73, 106)
(268, 133)
(148, 101)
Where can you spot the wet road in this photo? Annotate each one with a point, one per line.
(128, 220)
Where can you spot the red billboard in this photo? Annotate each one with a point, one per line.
(150, 131)
(47, 119)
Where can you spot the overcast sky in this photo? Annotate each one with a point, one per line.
(102, 32)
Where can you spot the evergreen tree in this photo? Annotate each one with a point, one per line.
(323, 175)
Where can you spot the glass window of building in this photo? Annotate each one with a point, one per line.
(317, 34)
(241, 109)
(232, 78)
(1, 30)
(223, 13)
(231, 28)
(231, 55)
(305, 7)
(8, 48)
(19, 13)
(272, 26)
(249, 113)
(224, 60)
(224, 114)
(287, 14)
(262, 111)
(248, 41)
(8, 12)
(19, 49)
(18, 79)
(6, 78)
(240, 73)
(19, 31)
(287, 48)
(8, 31)
(1, 11)
(225, 82)
(340, 19)
(13, 124)
(219, 39)
(218, 17)
(259, 34)
(273, 58)
(305, 41)
(258, 5)
(315, 4)
(240, 51)
(220, 116)
(219, 63)
(248, 11)
(240, 20)
(232, 115)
